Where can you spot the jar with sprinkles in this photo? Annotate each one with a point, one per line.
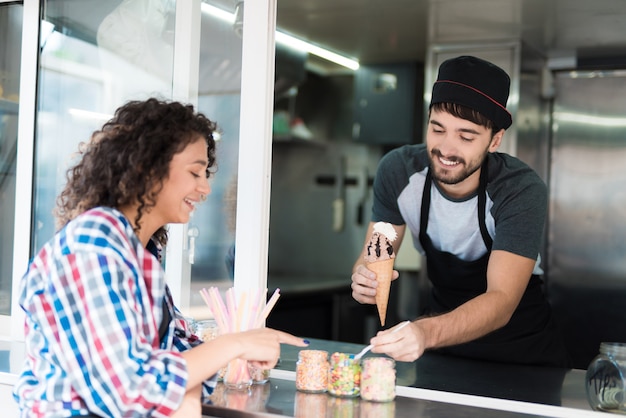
(205, 329)
(312, 371)
(378, 379)
(344, 377)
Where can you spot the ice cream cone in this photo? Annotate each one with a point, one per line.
(383, 270)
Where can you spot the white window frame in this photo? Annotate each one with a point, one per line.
(24, 163)
(186, 75)
(255, 145)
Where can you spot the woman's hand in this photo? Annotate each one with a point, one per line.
(261, 347)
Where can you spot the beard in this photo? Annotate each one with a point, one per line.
(445, 176)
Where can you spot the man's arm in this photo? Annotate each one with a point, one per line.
(363, 280)
(507, 277)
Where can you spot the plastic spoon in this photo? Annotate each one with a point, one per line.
(369, 347)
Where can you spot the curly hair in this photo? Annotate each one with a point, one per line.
(127, 160)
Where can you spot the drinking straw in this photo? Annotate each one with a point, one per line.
(239, 314)
(242, 311)
(258, 301)
(206, 298)
(219, 310)
(218, 299)
(268, 307)
(232, 308)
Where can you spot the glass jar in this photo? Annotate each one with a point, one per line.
(344, 377)
(378, 379)
(237, 375)
(205, 329)
(606, 379)
(259, 376)
(312, 371)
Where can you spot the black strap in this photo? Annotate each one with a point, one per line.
(482, 203)
(165, 322)
(425, 207)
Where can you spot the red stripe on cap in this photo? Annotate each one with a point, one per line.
(477, 91)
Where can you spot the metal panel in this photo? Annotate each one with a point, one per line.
(587, 221)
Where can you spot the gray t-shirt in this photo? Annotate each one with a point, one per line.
(515, 209)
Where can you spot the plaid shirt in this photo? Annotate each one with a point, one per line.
(93, 301)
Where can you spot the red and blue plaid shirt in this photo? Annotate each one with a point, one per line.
(93, 300)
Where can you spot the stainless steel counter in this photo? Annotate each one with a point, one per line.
(434, 386)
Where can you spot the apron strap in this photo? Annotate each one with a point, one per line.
(482, 204)
(425, 207)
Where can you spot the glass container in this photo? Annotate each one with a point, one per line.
(606, 379)
(312, 371)
(205, 329)
(237, 375)
(259, 376)
(344, 377)
(378, 379)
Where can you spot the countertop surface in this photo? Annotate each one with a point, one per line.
(544, 385)
(434, 386)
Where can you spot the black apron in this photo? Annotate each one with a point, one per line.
(530, 337)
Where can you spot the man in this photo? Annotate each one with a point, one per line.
(478, 217)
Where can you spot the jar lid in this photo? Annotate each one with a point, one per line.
(613, 348)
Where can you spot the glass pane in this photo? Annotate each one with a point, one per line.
(95, 56)
(219, 99)
(11, 33)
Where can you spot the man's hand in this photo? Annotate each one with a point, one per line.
(407, 344)
(364, 280)
(364, 284)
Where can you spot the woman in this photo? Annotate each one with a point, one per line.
(102, 335)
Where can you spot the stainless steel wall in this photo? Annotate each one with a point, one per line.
(586, 240)
(303, 241)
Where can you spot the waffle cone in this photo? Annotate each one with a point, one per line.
(383, 270)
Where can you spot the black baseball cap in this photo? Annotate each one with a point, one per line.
(477, 84)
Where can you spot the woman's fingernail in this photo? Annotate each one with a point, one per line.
(307, 342)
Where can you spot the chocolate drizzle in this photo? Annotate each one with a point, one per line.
(379, 248)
